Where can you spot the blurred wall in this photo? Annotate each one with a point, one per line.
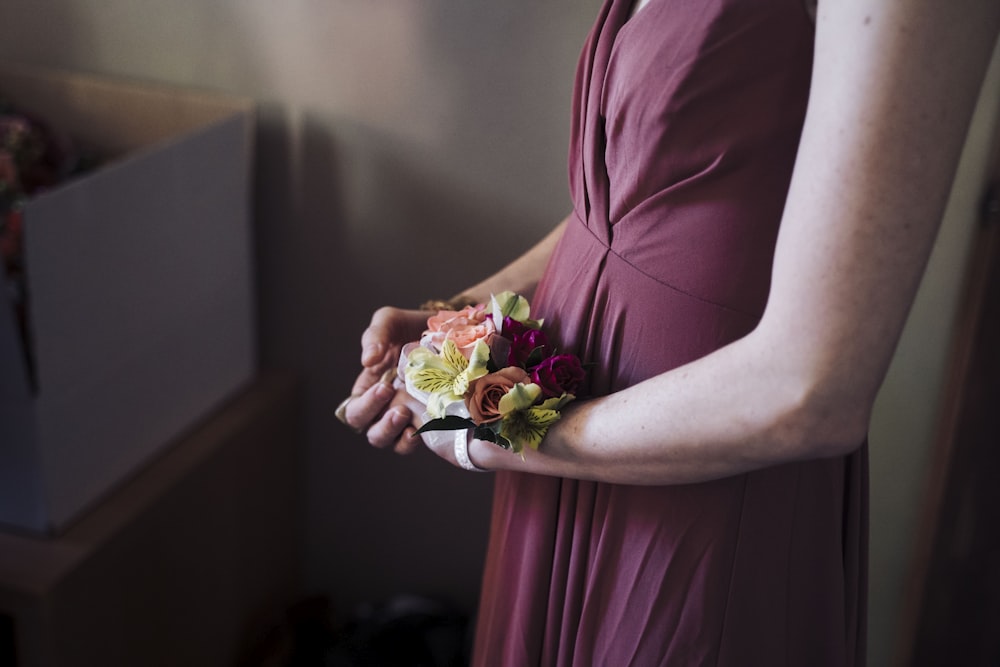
(390, 131)
(904, 427)
(394, 130)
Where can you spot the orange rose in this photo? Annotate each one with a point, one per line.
(485, 393)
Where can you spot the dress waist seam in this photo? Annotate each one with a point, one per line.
(611, 251)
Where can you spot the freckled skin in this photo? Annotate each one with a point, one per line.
(894, 86)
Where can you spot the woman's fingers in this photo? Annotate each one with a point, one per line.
(370, 377)
(370, 409)
(375, 342)
(381, 337)
(396, 430)
(408, 442)
(363, 409)
(387, 430)
(388, 330)
(382, 414)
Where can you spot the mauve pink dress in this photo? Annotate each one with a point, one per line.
(686, 123)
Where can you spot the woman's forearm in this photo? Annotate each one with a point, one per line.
(886, 122)
(736, 410)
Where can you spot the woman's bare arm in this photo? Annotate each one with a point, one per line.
(894, 87)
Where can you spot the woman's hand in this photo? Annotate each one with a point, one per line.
(378, 405)
(397, 428)
(456, 447)
(375, 408)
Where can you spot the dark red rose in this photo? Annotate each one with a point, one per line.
(558, 375)
(523, 341)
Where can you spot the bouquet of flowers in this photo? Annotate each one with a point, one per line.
(490, 367)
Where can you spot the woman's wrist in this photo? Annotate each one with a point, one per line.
(549, 459)
(486, 455)
(462, 440)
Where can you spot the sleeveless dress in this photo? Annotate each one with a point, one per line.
(686, 122)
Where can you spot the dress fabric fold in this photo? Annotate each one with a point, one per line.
(685, 126)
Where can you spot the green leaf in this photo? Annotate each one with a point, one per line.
(489, 433)
(504, 443)
(509, 304)
(556, 403)
(449, 423)
(536, 357)
(484, 433)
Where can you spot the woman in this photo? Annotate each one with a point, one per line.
(754, 204)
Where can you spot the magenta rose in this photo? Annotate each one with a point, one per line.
(523, 341)
(558, 375)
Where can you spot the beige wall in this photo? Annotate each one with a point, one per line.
(905, 421)
(390, 130)
(395, 128)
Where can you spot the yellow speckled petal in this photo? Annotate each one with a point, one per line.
(453, 357)
(527, 427)
(432, 380)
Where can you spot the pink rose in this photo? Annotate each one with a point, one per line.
(464, 327)
(558, 375)
(485, 393)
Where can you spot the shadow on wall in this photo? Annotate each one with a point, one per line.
(404, 150)
(352, 213)
(453, 176)
(378, 524)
